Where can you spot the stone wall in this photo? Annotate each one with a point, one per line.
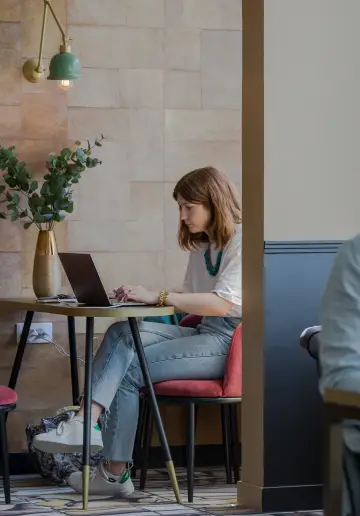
(162, 82)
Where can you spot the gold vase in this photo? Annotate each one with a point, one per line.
(47, 270)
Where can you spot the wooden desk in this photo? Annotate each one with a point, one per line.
(30, 306)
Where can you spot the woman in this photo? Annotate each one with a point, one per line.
(210, 229)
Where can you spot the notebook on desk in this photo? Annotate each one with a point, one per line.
(86, 283)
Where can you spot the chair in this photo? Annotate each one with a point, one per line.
(225, 392)
(341, 465)
(8, 399)
(310, 340)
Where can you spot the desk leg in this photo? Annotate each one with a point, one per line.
(333, 462)
(20, 350)
(152, 398)
(87, 408)
(73, 360)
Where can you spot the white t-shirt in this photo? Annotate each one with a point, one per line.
(228, 281)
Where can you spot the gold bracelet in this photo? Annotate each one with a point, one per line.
(163, 298)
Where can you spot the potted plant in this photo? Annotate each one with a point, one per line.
(43, 203)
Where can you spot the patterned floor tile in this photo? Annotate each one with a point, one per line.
(33, 495)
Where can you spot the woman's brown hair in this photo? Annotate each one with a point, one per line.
(210, 187)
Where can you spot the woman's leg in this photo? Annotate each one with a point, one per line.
(109, 369)
(199, 356)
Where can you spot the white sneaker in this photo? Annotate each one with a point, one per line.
(102, 483)
(68, 438)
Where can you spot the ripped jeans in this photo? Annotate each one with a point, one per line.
(172, 353)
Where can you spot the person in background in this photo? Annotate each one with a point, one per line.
(340, 355)
(210, 229)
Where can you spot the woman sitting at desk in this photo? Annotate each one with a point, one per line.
(209, 212)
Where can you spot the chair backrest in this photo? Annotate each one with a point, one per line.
(310, 340)
(232, 384)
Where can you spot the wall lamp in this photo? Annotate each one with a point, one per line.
(64, 67)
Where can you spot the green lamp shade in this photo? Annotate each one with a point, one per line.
(64, 66)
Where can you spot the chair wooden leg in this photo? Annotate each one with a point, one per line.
(235, 448)
(225, 423)
(190, 451)
(5, 458)
(148, 430)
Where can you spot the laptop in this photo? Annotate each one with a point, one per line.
(86, 283)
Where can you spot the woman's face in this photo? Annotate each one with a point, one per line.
(195, 216)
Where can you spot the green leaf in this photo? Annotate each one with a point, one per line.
(58, 217)
(78, 142)
(39, 218)
(16, 198)
(47, 217)
(35, 201)
(98, 144)
(9, 196)
(27, 225)
(2, 189)
(14, 215)
(70, 207)
(66, 154)
(23, 214)
(2, 215)
(11, 182)
(33, 186)
(80, 154)
(21, 174)
(45, 189)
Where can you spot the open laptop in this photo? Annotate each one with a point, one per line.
(86, 283)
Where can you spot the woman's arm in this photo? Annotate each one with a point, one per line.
(207, 304)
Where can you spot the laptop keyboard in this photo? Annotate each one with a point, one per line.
(125, 303)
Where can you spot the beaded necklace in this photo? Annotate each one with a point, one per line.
(212, 269)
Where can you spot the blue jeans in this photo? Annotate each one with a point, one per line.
(172, 353)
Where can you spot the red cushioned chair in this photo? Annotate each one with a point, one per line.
(8, 399)
(225, 392)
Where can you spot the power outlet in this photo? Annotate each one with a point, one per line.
(45, 327)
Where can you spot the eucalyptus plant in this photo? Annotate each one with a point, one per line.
(45, 202)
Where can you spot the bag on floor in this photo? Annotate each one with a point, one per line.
(56, 466)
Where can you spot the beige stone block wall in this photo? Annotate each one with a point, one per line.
(162, 81)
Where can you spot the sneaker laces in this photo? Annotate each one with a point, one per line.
(93, 472)
(61, 426)
(107, 475)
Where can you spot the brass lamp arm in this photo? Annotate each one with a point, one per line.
(47, 5)
(63, 33)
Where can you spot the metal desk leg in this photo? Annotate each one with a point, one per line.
(87, 408)
(73, 360)
(20, 350)
(152, 398)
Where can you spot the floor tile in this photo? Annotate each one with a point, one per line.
(33, 495)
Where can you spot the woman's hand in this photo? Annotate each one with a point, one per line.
(136, 293)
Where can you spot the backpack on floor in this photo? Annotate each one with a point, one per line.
(56, 466)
